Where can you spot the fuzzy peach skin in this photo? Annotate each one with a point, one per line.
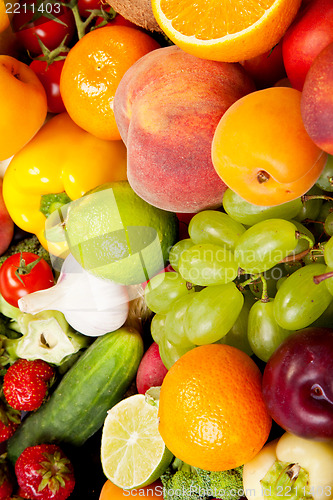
(167, 107)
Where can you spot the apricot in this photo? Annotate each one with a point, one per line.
(317, 100)
(167, 107)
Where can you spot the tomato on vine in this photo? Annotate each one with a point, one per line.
(49, 75)
(24, 273)
(44, 20)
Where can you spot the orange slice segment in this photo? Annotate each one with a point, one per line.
(222, 30)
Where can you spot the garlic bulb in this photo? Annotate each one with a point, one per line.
(92, 306)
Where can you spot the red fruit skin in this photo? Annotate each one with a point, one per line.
(297, 384)
(307, 36)
(6, 224)
(317, 100)
(6, 431)
(49, 76)
(28, 473)
(6, 482)
(25, 384)
(151, 371)
(266, 69)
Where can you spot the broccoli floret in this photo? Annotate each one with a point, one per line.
(227, 484)
(30, 244)
(184, 482)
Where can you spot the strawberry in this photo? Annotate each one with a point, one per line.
(10, 419)
(25, 383)
(44, 472)
(6, 480)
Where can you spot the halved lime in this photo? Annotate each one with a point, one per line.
(133, 453)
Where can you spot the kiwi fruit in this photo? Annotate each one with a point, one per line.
(138, 12)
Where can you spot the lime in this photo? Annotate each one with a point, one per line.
(133, 453)
(115, 234)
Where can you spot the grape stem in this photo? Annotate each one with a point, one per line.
(294, 258)
(308, 197)
(264, 295)
(321, 277)
(304, 236)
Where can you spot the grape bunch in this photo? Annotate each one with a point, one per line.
(247, 276)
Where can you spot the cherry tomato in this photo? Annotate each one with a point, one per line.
(50, 79)
(50, 31)
(20, 276)
(85, 6)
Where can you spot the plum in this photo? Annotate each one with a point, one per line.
(298, 384)
(6, 224)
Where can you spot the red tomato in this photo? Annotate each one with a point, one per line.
(50, 79)
(18, 276)
(309, 34)
(50, 31)
(266, 69)
(85, 6)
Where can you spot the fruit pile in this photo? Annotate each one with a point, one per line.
(166, 249)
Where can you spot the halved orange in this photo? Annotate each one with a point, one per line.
(225, 30)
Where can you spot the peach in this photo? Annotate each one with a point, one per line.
(6, 224)
(317, 100)
(167, 107)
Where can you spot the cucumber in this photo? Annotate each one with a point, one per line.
(78, 406)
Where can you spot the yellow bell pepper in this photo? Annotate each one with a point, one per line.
(61, 158)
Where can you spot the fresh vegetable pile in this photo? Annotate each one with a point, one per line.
(166, 249)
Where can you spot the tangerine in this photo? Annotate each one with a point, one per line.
(92, 71)
(223, 30)
(211, 410)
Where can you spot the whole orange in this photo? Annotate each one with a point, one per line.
(262, 151)
(92, 71)
(23, 105)
(211, 410)
(111, 492)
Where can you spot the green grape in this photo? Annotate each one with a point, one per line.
(271, 276)
(329, 281)
(302, 243)
(265, 244)
(174, 321)
(264, 333)
(170, 353)
(325, 181)
(177, 250)
(218, 228)
(328, 252)
(212, 313)
(163, 289)
(237, 335)
(325, 320)
(280, 281)
(246, 213)
(207, 264)
(157, 327)
(310, 208)
(299, 301)
(328, 224)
